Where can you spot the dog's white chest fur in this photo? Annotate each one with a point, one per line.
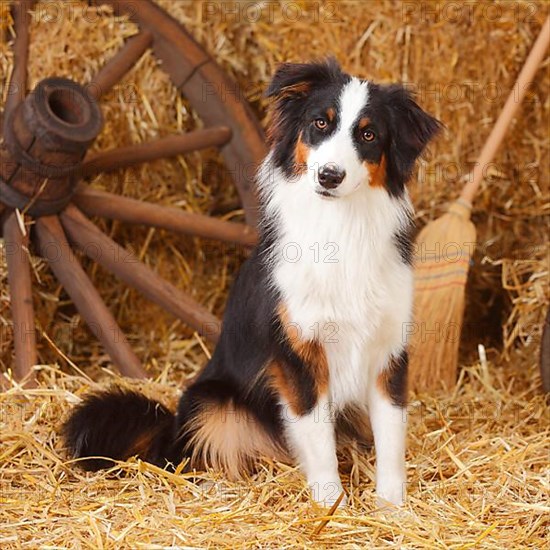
(342, 280)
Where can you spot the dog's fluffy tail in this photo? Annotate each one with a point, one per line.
(118, 424)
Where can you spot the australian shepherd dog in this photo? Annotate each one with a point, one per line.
(313, 331)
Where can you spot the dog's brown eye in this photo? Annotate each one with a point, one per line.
(368, 135)
(320, 123)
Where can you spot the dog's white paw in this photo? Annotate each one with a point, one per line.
(326, 492)
(390, 494)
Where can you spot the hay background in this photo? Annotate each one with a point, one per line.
(478, 459)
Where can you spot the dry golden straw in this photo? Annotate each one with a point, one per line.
(478, 455)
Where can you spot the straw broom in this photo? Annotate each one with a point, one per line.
(443, 253)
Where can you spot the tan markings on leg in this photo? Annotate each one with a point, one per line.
(383, 381)
(377, 172)
(314, 357)
(301, 153)
(283, 386)
(392, 381)
(228, 438)
(311, 352)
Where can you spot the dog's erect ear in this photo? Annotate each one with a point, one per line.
(411, 130)
(291, 85)
(297, 79)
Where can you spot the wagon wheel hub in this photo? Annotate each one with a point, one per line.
(47, 137)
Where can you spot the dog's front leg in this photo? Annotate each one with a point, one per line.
(389, 425)
(312, 439)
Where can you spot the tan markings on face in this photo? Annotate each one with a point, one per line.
(364, 122)
(331, 113)
(311, 352)
(301, 153)
(295, 89)
(228, 438)
(274, 122)
(377, 172)
(272, 127)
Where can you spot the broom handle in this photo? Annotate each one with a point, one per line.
(511, 106)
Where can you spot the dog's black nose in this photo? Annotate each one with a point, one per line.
(331, 176)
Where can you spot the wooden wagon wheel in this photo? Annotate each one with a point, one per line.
(43, 159)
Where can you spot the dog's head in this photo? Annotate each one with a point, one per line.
(344, 133)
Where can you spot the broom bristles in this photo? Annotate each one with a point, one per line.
(442, 257)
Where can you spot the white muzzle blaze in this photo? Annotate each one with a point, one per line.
(339, 150)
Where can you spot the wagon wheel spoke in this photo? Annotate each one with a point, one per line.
(171, 146)
(19, 280)
(115, 69)
(84, 235)
(18, 82)
(17, 86)
(55, 248)
(94, 202)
